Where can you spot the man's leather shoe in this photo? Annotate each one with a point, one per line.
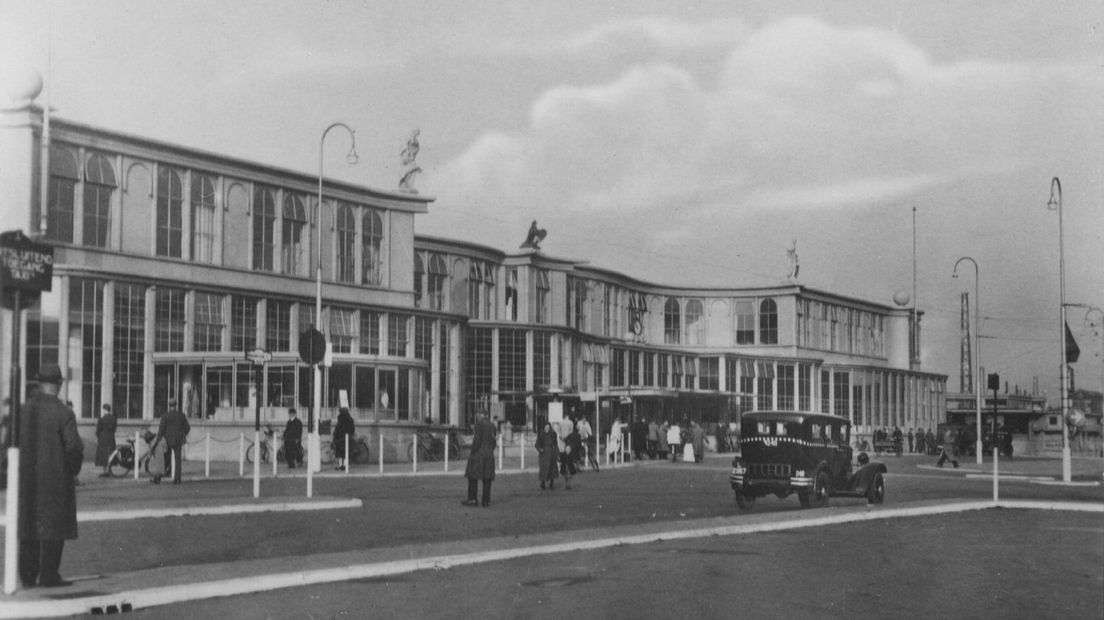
(470, 502)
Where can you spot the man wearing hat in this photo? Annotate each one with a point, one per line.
(50, 459)
(174, 430)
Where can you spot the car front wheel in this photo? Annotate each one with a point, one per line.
(818, 496)
(876, 493)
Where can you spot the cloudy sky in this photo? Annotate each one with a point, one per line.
(674, 141)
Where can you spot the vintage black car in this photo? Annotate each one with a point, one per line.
(784, 452)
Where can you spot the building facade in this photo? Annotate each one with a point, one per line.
(171, 264)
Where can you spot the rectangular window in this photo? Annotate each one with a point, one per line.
(369, 332)
(278, 325)
(128, 363)
(243, 323)
(785, 386)
(479, 354)
(663, 370)
(423, 338)
(209, 322)
(649, 369)
(764, 372)
(804, 387)
(203, 218)
(634, 367)
(676, 371)
(343, 330)
(691, 369)
(169, 329)
(542, 358)
(86, 324)
(617, 368)
(842, 391)
(511, 360)
(397, 334)
(710, 373)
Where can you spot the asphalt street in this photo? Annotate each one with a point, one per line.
(289, 540)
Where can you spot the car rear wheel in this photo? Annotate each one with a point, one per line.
(818, 496)
(876, 493)
(745, 502)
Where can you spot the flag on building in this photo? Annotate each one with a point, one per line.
(1072, 350)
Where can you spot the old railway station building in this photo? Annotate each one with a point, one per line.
(171, 264)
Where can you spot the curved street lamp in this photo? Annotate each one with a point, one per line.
(313, 442)
(1056, 204)
(976, 370)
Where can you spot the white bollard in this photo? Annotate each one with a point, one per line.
(447, 437)
(241, 454)
(501, 454)
(521, 446)
(347, 455)
(11, 526)
(275, 451)
(137, 453)
(380, 453)
(172, 457)
(207, 458)
(414, 453)
(256, 463)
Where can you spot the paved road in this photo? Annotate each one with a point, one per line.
(403, 517)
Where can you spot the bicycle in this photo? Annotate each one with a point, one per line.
(431, 448)
(121, 461)
(266, 448)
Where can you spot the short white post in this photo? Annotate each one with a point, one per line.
(347, 455)
(11, 526)
(609, 437)
(172, 457)
(275, 451)
(521, 446)
(241, 454)
(207, 457)
(380, 453)
(137, 453)
(501, 454)
(447, 437)
(256, 462)
(414, 452)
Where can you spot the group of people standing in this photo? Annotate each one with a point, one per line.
(658, 439)
(560, 449)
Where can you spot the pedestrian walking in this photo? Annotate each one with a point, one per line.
(174, 429)
(910, 439)
(929, 441)
(661, 442)
(158, 456)
(345, 427)
(567, 455)
(481, 461)
(653, 439)
(105, 440)
(638, 437)
(50, 458)
(614, 445)
(948, 447)
(674, 441)
(293, 440)
(587, 441)
(548, 456)
(697, 437)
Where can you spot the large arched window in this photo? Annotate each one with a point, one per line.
(264, 228)
(61, 203)
(203, 218)
(99, 187)
(294, 245)
(371, 252)
(170, 202)
(438, 276)
(768, 322)
(346, 244)
(695, 322)
(671, 321)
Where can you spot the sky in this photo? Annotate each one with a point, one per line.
(678, 142)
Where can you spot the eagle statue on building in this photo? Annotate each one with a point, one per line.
(535, 236)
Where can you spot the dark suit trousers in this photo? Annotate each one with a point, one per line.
(40, 560)
(473, 490)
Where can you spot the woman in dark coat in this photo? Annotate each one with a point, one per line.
(481, 461)
(548, 456)
(345, 427)
(105, 439)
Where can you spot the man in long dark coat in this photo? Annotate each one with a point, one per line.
(50, 458)
(481, 464)
(173, 430)
(293, 440)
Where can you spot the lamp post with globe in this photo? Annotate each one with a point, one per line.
(976, 370)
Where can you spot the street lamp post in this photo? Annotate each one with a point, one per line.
(1056, 204)
(976, 370)
(313, 441)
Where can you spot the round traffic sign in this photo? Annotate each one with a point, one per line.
(312, 346)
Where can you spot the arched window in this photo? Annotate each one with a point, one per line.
(64, 174)
(346, 244)
(203, 218)
(372, 255)
(99, 187)
(438, 275)
(264, 228)
(671, 321)
(170, 203)
(768, 322)
(695, 322)
(293, 243)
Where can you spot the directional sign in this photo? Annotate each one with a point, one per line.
(25, 266)
(258, 356)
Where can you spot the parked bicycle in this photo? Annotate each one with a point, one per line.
(432, 448)
(121, 461)
(266, 448)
